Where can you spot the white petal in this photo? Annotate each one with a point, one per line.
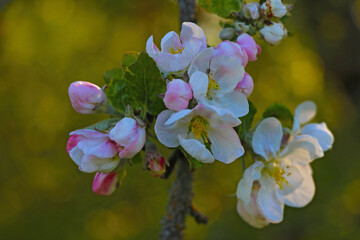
(168, 62)
(178, 116)
(227, 72)
(171, 40)
(267, 138)
(292, 176)
(303, 150)
(93, 164)
(196, 149)
(225, 144)
(199, 82)
(250, 213)
(151, 48)
(304, 193)
(190, 31)
(304, 113)
(217, 117)
(244, 187)
(270, 206)
(124, 131)
(167, 134)
(236, 102)
(201, 62)
(321, 132)
(76, 154)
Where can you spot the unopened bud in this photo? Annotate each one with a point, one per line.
(105, 183)
(155, 163)
(86, 97)
(227, 34)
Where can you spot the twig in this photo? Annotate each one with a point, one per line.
(198, 216)
(187, 10)
(172, 161)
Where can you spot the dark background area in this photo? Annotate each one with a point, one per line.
(47, 44)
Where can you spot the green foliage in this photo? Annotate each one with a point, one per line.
(104, 125)
(137, 83)
(129, 58)
(144, 83)
(246, 121)
(282, 113)
(223, 8)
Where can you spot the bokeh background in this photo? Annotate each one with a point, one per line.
(47, 44)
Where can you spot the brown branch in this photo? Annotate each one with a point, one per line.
(198, 216)
(187, 10)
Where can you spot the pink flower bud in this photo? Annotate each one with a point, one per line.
(92, 151)
(231, 49)
(86, 97)
(177, 96)
(156, 165)
(248, 44)
(129, 136)
(105, 183)
(246, 85)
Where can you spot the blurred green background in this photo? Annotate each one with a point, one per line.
(47, 44)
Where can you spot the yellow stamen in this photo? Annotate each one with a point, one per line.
(198, 126)
(277, 173)
(179, 50)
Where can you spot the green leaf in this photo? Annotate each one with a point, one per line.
(144, 84)
(282, 113)
(116, 89)
(104, 125)
(222, 8)
(129, 58)
(194, 163)
(246, 121)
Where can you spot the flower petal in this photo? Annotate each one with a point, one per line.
(201, 62)
(199, 82)
(236, 102)
(227, 72)
(244, 187)
(303, 150)
(76, 154)
(151, 48)
(167, 133)
(171, 41)
(292, 176)
(177, 96)
(93, 164)
(303, 114)
(175, 117)
(321, 132)
(196, 149)
(267, 138)
(270, 206)
(191, 31)
(305, 192)
(168, 62)
(225, 144)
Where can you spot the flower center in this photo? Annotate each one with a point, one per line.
(179, 50)
(212, 86)
(278, 174)
(198, 126)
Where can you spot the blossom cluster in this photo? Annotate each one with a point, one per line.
(205, 96)
(266, 18)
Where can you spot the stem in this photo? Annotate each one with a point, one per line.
(179, 204)
(181, 195)
(187, 10)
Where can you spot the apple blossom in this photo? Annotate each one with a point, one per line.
(248, 44)
(129, 136)
(177, 95)
(231, 49)
(213, 81)
(92, 151)
(285, 177)
(274, 8)
(251, 10)
(105, 183)
(86, 97)
(196, 129)
(246, 85)
(273, 33)
(177, 53)
(304, 112)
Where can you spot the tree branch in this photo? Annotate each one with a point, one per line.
(179, 204)
(187, 10)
